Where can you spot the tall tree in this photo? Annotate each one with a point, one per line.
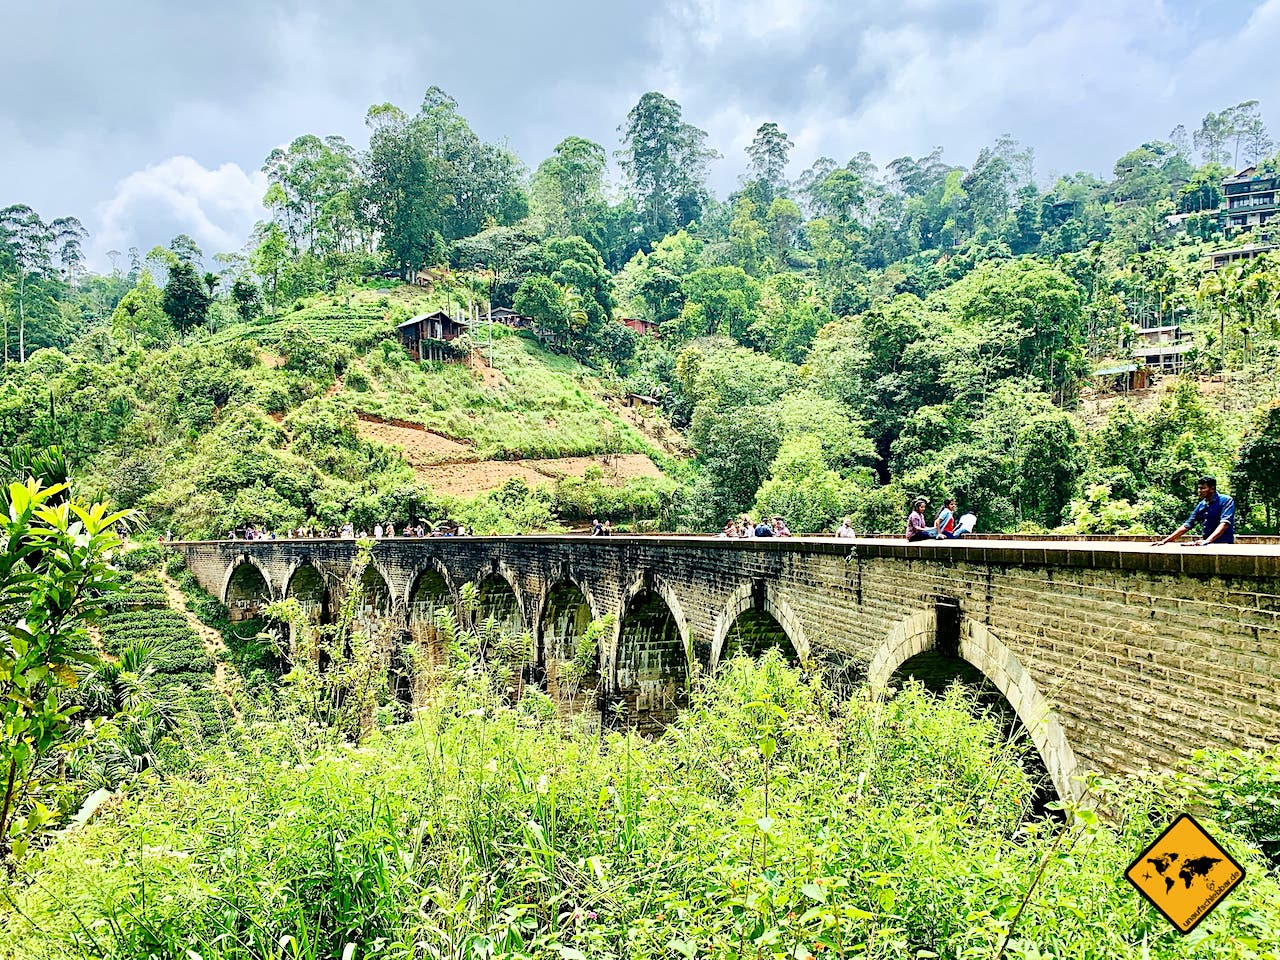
(568, 187)
(665, 160)
(185, 299)
(768, 154)
(1211, 139)
(269, 258)
(38, 252)
(429, 179)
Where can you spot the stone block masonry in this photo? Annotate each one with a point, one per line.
(1118, 657)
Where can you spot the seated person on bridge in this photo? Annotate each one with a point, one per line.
(945, 521)
(916, 527)
(1216, 514)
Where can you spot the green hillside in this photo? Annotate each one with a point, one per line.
(260, 423)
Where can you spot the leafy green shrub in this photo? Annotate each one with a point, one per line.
(771, 821)
(1242, 788)
(357, 380)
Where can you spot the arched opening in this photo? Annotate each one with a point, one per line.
(307, 586)
(572, 672)
(430, 592)
(945, 631)
(652, 666)
(754, 633)
(496, 600)
(375, 595)
(757, 618)
(937, 672)
(247, 592)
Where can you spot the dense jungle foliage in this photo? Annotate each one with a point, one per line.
(830, 345)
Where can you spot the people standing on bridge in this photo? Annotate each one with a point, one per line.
(730, 530)
(1216, 514)
(606, 530)
(780, 528)
(597, 528)
(845, 532)
(917, 529)
(763, 529)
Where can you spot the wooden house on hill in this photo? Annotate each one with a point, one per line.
(427, 336)
(646, 328)
(509, 318)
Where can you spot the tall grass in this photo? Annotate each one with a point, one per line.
(771, 821)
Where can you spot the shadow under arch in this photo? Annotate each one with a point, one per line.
(757, 596)
(565, 612)
(648, 582)
(307, 584)
(376, 589)
(651, 666)
(236, 567)
(429, 588)
(499, 596)
(984, 651)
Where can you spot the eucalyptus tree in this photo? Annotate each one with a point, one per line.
(429, 180)
(39, 253)
(314, 183)
(568, 187)
(665, 160)
(768, 153)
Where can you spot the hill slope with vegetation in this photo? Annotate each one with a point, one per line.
(829, 345)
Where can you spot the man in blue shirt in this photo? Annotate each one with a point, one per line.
(1216, 514)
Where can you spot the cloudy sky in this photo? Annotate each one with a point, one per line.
(149, 119)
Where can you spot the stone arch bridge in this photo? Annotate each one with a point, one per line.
(1115, 656)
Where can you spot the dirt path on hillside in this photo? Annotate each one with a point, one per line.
(225, 678)
(490, 377)
(655, 427)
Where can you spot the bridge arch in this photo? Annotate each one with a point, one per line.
(240, 575)
(565, 610)
(499, 596)
(656, 585)
(378, 595)
(651, 664)
(983, 650)
(307, 583)
(431, 585)
(759, 596)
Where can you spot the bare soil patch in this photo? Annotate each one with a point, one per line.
(655, 427)
(421, 447)
(488, 376)
(469, 479)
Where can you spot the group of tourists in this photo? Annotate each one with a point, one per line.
(742, 528)
(1214, 513)
(946, 525)
(348, 531)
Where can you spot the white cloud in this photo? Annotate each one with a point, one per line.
(217, 208)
